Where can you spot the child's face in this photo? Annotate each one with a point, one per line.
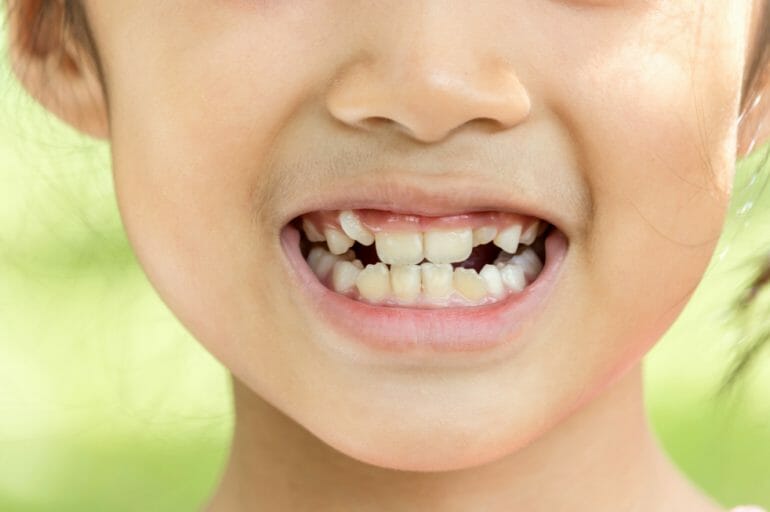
(613, 120)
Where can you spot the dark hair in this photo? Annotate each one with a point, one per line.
(51, 20)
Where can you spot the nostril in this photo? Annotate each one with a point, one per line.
(376, 122)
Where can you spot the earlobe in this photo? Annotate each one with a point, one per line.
(56, 70)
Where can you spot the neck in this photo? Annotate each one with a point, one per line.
(603, 457)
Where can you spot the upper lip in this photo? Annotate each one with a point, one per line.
(449, 193)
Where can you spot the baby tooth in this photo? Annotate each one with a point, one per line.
(469, 283)
(321, 261)
(508, 239)
(337, 241)
(311, 232)
(448, 246)
(437, 280)
(484, 235)
(405, 281)
(529, 234)
(353, 228)
(492, 279)
(513, 277)
(399, 248)
(373, 282)
(344, 275)
(530, 262)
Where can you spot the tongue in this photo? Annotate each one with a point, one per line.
(480, 256)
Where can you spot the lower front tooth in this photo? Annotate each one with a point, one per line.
(469, 283)
(493, 281)
(373, 282)
(344, 275)
(405, 281)
(436, 280)
(337, 241)
(513, 277)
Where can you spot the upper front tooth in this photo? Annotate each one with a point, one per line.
(311, 232)
(337, 241)
(492, 279)
(405, 281)
(399, 248)
(353, 228)
(529, 234)
(437, 280)
(469, 283)
(448, 246)
(484, 235)
(508, 239)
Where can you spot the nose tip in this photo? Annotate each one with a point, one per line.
(427, 102)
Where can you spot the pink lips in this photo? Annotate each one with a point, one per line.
(402, 329)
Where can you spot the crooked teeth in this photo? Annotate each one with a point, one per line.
(508, 239)
(484, 235)
(311, 232)
(337, 241)
(530, 234)
(373, 282)
(344, 275)
(492, 280)
(399, 248)
(468, 282)
(448, 246)
(405, 281)
(353, 228)
(437, 280)
(401, 277)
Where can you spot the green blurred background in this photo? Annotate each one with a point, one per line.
(107, 404)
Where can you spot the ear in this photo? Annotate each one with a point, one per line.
(55, 67)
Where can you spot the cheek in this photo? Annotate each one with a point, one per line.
(190, 140)
(658, 154)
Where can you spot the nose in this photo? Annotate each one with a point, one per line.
(427, 86)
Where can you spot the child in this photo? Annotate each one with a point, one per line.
(431, 241)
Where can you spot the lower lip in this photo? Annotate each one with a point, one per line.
(405, 330)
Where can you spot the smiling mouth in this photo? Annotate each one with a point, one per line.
(383, 258)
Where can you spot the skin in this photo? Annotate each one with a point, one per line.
(225, 117)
